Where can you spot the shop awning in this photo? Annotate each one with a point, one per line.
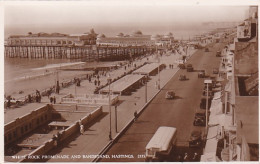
(209, 157)
(216, 107)
(222, 120)
(217, 95)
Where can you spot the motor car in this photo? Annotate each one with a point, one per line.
(200, 119)
(169, 95)
(206, 49)
(181, 66)
(195, 139)
(203, 102)
(218, 54)
(189, 68)
(182, 77)
(201, 74)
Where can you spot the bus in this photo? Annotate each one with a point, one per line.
(161, 144)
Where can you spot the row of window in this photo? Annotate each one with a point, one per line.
(23, 129)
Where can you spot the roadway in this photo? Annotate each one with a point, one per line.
(178, 112)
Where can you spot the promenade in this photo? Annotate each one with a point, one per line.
(96, 137)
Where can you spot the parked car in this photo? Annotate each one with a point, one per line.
(200, 119)
(181, 66)
(203, 102)
(215, 71)
(218, 54)
(189, 68)
(182, 77)
(195, 139)
(169, 95)
(201, 74)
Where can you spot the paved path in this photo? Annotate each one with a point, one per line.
(96, 136)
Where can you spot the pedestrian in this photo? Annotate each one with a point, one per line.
(51, 99)
(81, 129)
(55, 139)
(95, 82)
(54, 100)
(37, 98)
(29, 98)
(185, 158)
(125, 67)
(98, 82)
(179, 158)
(80, 123)
(195, 157)
(135, 116)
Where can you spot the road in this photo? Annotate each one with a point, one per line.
(178, 112)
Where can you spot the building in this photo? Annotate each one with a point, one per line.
(53, 39)
(244, 95)
(137, 38)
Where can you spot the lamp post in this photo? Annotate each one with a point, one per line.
(158, 70)
(109, 103)
(146, 79)
(207, 102)
(116, 117)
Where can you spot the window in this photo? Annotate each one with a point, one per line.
(26, 127)
(38, 121)
(45, 117)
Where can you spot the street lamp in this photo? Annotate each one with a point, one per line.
(146, 79)
(109, 103)
(207, 103)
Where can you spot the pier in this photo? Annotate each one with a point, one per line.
(86, 53)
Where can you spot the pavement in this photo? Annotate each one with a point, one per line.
(177, 113)
(96, 135)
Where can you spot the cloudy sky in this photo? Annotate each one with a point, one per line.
(112, 19)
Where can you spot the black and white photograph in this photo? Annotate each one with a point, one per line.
(129, 81)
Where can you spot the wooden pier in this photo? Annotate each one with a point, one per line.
(87, 52)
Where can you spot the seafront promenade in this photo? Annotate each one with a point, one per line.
(96, 136)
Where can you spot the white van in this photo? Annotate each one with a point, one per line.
(161, 143)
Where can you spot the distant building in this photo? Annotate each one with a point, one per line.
(137, 38)
(53, 39)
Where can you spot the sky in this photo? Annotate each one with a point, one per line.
(112, 19)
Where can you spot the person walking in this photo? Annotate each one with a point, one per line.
(54, 100)
(185, 158)
(51, 99)
(135, 116)
(81, 129)
(195, 157)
